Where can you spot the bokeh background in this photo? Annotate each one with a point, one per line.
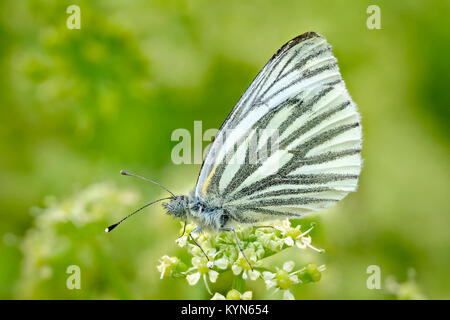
(76, 106)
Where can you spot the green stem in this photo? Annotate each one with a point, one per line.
(238, 283)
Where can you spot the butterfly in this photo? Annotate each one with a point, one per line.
(298, 114)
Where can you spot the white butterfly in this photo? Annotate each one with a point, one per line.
(299, 95)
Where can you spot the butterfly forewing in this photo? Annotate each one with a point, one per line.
(299, 116)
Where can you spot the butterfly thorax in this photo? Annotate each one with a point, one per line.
(204, 214)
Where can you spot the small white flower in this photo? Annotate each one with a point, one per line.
(288, 266)
(241, 265)
(221, 263)
(269, 279)
(287, 295)
(254, 274)
(288, 241)
(284, 226)
(213, 275)
(166, 264)
(181, 241)
(236, 269)
(218, 296)
(184, 234)
(304, 242)
(203, 269)
(294, 236)
(192, 279)
(247, 295)
(282, 279)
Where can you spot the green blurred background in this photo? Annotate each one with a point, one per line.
(76, 106)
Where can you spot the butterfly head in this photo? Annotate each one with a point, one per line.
(177, 206)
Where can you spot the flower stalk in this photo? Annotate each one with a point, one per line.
(258, 243)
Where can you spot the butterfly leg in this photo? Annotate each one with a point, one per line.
(239, 245)
(184, 229)
(196, 230)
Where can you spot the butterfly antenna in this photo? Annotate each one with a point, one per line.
(111, 227)
(125, 173)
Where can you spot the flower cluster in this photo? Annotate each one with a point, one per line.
(258, 243)
(69, 231)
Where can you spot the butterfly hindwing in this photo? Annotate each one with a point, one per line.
(292, 143)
